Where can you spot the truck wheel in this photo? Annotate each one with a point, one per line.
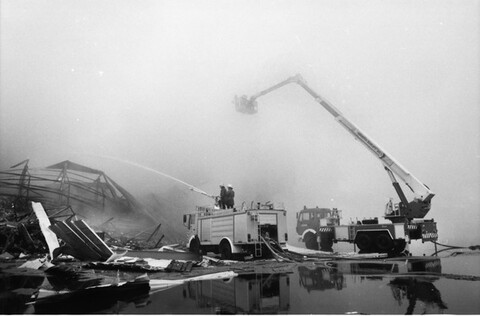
(383, 242)
(363, 242)
(195, 246)
(311, 241)
(225, 250)
(399, 248)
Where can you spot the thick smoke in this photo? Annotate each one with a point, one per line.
(152, 83)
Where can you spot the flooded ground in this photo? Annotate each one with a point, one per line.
(448, 284)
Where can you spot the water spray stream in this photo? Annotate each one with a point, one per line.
(191, 187)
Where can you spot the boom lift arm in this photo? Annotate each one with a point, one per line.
(417, 208)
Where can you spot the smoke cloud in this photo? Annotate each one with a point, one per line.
(152, 83)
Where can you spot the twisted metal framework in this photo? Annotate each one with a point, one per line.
(64, 184)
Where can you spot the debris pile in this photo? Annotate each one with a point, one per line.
(81, 241)
(62, 188)
(20, 233)
(142, 240)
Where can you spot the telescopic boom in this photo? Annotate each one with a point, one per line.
(417, 208)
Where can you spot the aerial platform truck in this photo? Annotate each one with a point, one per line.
(322, 226)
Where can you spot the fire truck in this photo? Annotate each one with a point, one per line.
(406, 218)
(234, 233)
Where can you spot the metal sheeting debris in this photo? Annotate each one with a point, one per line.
(44, 222)
(83, 242)
(37, 264)
(143, 265)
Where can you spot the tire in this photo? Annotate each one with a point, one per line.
(383, 242)
(363, 242)
(225, 250)
(311, 241)
(195, 246)
(399, 248)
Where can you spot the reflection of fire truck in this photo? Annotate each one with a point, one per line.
(390, 266)
(419, 286)
(332, 276)
(232, 231)
(250, 294)
(406, 217)
(320, 278)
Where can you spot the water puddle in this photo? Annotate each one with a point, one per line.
(411, 285)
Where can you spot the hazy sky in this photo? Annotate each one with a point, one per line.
(152, 82)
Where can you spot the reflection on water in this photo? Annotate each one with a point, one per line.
(320, 279)
(252, 294)
(410, 280)
(16, 290)
(94, 300)
(411, 290)
(412, 285)
(405, 288)
(330, 275)
(67, 293)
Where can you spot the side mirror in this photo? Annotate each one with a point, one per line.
(184, 219)
(296, 215)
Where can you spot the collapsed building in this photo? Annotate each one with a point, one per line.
(66, 183)
(65, 189)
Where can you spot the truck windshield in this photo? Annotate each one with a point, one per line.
(305, 216)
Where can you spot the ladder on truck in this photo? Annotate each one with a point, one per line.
(258, 242)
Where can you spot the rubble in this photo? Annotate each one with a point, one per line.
(6, 256)
(20, 234)
(142, 265)
(37, 264)
(44, 223)
(62, 188)
(81, 241)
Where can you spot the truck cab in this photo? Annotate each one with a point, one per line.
(313, 218)
(309, 222)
